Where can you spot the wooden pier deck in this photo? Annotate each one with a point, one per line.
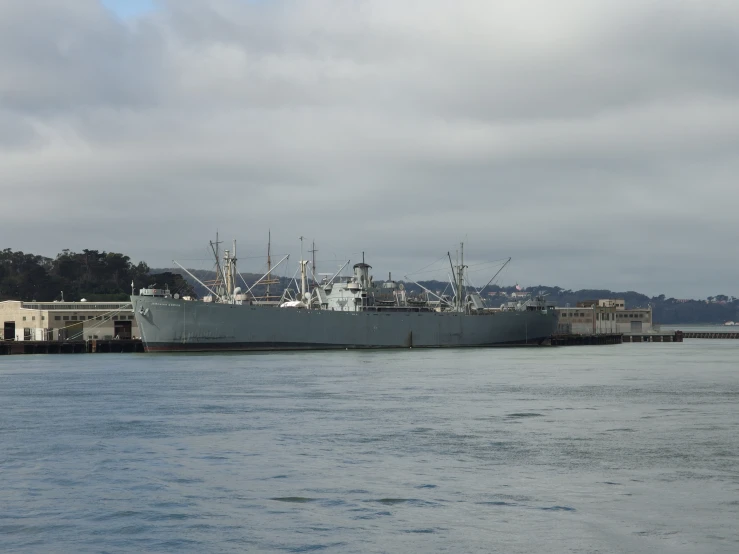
(71, 347)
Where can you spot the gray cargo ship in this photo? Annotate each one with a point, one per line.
(338, 313)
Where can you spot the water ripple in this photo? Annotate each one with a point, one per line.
(472, 450)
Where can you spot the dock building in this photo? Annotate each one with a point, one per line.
(60, 321)
(603, 316)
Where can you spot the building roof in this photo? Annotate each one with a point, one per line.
(69, 306)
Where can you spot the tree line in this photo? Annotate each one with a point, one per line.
(91, 274)
(99, 276)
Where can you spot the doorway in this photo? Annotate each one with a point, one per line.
(122, 330)
(9, 330)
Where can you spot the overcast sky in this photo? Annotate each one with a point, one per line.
(595, 142)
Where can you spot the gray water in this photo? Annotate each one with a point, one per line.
(629, 448)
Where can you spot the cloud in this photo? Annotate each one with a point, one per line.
(593, 142)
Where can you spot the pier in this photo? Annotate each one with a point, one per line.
(135, 345)
(677, 336)
(585, 340)
(618, 338)
(710, 334)
(71, 347)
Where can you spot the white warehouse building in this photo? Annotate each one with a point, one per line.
(604, 316)
(60, 321)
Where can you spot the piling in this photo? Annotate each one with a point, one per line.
(71, 347)
(585, 340)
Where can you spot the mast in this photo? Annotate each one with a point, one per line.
(268, 280)
(460, 278)
(264, 278)
(227, 277)
(220, 277)
(234, 272)
(229, 268)
(313, 267)
(302, 271)
(269, 259)
(454, 271)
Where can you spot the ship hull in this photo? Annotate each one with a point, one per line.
(169, 325)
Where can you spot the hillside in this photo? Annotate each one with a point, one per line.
(100, 275)
(717, 310)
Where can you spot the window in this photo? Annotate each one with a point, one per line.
(43, 318)
(74, 318)
(65, 318)
(57, 317)
(24, 317)
(33, 318)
